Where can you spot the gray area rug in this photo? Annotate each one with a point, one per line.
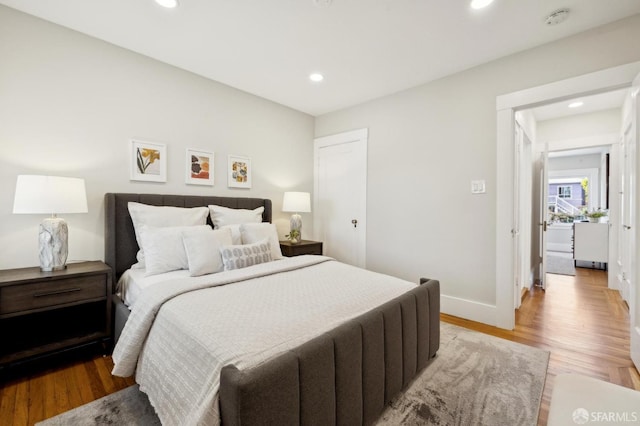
(560, 265)
(475, 379)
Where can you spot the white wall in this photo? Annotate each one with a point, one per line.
(425, 146)
(572, 162)
(69, 105)
(580, 126)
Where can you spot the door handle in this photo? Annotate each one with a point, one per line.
(544, 226)
(355, 223)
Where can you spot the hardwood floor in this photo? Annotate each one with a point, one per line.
(578, 319)
(38, 396)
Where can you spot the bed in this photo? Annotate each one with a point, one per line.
(346, 374)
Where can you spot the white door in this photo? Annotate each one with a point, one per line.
(522, 216)
(340, 195)
(517, 241)
(626, 197)
(544, 215)
(634, 293)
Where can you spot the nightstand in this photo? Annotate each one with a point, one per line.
(44, 313)
(303, 247)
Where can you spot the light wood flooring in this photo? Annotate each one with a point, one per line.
(583, 324)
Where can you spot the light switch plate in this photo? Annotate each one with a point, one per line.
(478, 187)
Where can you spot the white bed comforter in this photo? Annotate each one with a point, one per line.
(177, 340)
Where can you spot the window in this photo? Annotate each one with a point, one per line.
(564, 192)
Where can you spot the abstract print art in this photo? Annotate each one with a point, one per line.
(239, 172)
(199, 167)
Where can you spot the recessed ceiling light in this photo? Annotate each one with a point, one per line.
(170, 4)
(479, 4)
(576, 104)
(316, 77)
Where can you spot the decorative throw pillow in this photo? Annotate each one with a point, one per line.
(221, 216)
(254, 232)
(162, 216)
(236, 237)
(203, 250)
(163, 247)
(241, 256)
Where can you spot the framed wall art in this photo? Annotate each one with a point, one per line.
(148, 161)
(239, 172)
(199, 167)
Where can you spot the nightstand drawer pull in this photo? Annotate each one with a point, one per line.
(53, 293)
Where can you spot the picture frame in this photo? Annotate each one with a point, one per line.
(199, 167)
(239, 172)
(148, 161)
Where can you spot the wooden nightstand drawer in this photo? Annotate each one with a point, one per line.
(48, 293)
(47, 313)
(303, 247)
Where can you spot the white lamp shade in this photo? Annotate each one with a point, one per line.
(49, 195)
(296, 202)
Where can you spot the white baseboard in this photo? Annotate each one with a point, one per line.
(468, 309)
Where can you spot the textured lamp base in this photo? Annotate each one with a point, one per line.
(53, 239)
(295, 224)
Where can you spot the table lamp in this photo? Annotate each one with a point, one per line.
(296, 202)
(51, 195)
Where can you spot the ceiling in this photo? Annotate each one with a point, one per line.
(364, 48)
(593, 103)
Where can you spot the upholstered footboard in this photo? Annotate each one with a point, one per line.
(345, 376)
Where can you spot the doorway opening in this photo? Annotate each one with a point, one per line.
(508, 107)
(577, 186)
(572, 168)
(623, 201)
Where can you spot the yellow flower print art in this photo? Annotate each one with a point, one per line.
(146, 159)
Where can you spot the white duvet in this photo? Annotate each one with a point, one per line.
(182, 332)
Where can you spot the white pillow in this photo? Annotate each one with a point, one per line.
(241, 256)
(203, 250)
(254, 232)
(161, 216)
(221, 216)
(236, 236)
(163, 247)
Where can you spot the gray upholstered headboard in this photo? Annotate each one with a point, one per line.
(120, 245)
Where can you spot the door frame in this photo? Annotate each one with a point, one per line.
(358, 136)
(506, 106)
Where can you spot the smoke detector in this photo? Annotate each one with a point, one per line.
(557, 17)
(322, 3)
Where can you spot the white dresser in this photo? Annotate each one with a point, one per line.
(591, 242)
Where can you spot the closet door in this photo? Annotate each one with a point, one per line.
(340, 195)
